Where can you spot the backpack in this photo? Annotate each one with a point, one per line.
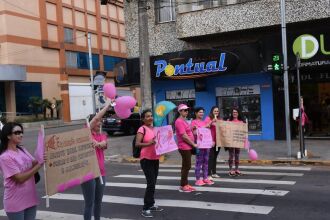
(137, 150)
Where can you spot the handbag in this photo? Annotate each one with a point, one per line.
(36, 177)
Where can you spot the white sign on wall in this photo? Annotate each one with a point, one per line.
(238, 90)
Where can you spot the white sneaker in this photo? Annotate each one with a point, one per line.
(210, 177)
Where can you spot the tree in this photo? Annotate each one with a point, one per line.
(35, 104)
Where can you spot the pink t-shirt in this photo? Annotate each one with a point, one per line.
(17, 196)
(213, 128)
(150, 151)
(100, 152)
(182, 127)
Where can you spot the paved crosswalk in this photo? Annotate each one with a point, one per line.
(272, 182)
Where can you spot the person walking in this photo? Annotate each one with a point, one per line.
(234, 152)
(185, 140)
(202, 157)
(93, 189)
(211, 120)
(149, 161)
(18, 168)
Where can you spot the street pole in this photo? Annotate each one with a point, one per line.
(91, 69)
(286, 79)
(145, 81)
(301, 131)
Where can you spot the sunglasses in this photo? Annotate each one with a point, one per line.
(17, 132)
(184, 110)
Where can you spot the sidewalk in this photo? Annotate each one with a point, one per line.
(269, 152)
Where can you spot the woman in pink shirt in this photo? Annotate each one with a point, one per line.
(185, 139)
(93, 189)
(214, 151)
(202, 157)
(234, 152)
(18, 168)
(149, 160)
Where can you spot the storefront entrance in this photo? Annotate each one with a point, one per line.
(317, 106)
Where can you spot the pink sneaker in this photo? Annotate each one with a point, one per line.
(191, 188)
(185, 188)
(208, 182)
(199, 183)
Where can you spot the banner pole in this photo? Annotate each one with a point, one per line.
(42, 128)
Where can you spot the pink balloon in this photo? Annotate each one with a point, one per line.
(127, 102)
(122, 113)
(109, 90)
(253, 154)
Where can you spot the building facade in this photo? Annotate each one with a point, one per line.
(44, 51)
(207, 53)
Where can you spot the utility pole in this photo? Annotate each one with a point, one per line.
(145, 79)
(91, 69)
(286, 79)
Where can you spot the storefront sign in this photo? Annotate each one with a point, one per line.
(193, 64)
(238, 90)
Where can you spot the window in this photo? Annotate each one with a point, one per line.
(68, 35)
(165, 10)
(23, 92)
(110, 62)
(71, 59)
(81, 60)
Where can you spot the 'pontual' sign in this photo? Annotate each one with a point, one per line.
(193, 64)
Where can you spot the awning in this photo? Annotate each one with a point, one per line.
(10, 72)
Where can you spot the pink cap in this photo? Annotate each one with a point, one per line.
(182, 107)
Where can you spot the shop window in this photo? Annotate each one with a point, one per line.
(23, 92)
(110, 62)
(165, 10)
(68, 35)
(246, 99)
(185, 96)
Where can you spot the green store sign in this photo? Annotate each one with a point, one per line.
(308, 46)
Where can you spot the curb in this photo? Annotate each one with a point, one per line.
(304, 162)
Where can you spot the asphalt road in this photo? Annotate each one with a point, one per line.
(277, 192)
(262, 193)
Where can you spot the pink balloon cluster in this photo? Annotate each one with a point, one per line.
(124, 104)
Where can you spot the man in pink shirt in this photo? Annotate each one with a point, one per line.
(185, 139)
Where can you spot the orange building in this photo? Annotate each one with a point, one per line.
(44, 51)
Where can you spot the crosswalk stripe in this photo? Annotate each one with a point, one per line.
(251, 167)
(205, 189)
(58, 216)
(229, 180)
(255, 209)
(245, 172)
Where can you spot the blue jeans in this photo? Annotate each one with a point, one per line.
(26, 214)
(93, 193)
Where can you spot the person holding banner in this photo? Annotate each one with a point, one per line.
(202, 158)
(18, 167)
(234, 152)
(185, 139)
(93, 189)
(149, 160)
(211, 121)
